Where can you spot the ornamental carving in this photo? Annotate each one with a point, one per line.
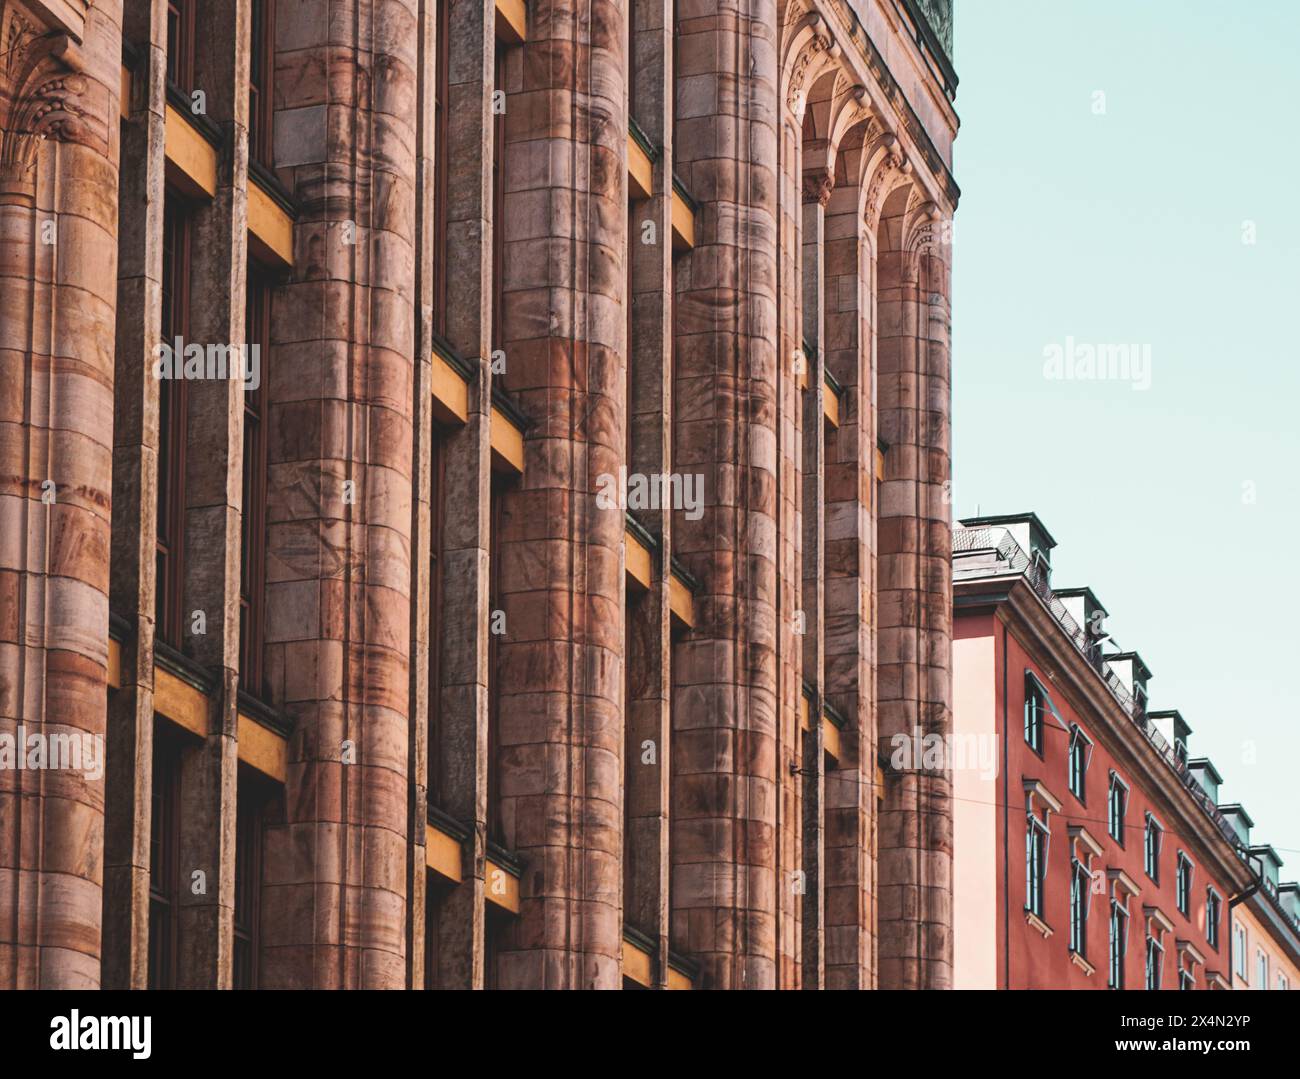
(40, 84)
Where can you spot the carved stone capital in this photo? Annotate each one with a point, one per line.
(41, 83)
(817, 186)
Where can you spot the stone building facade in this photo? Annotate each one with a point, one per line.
(473, 491)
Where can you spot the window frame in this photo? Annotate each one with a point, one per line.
(1213, 913)
(1116, 824)
(1150, 852)
(1119, 920)
(1078, 757)
(164, 860)
(1154, 972)
(1038, 839)
(1035, 712)
(255, 467)
(181, 41)
(1183, 876)
(173, 426)
(261, 90)
(1080, 891)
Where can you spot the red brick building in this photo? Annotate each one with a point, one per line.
(392, 690)
(1094, 855)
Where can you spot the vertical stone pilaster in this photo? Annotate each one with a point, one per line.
(649, 417)
(560, 676)
(849, 590)
(724, 814)
(213, 490)
(59, 152)
(129, 774)
(813, 600)
(339, 509)
(463, 716)
(915, 659)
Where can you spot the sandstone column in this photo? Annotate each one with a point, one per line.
(564, 334)
(339, 501)
(724, 866)
(59, 88)
(915, 658)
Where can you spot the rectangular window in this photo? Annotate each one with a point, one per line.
(252, 575)
(1212, 903)
(1239, 948)
(1035, 710)
(1184, 884)
(1155, 960)
(261, 74)
(495, 824)
(1261, 969)
(1037, 836)
(1118, 943)
(437, 478)
(1117, 808)
(180, 42)
(1154, 837)
(1282, 983)
(164, 859)
(441, 89)
(172, 427)
(248, 883)
(1080, 750)
(1186, 980)
(1080, 879)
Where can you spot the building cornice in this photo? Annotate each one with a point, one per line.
(1015, 602)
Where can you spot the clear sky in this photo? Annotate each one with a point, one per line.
(1179, 503)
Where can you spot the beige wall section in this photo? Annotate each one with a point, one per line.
(1259, 938)
(975, 819)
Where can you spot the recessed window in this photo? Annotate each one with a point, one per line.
(1154, 837)
(1261, 969)
(1239, 948)
(1186, 980)
(261, 73)
(1155, 961)
(1184, 883)
(1037, 838)
(1117, 808)
(164, 861)
(1035, 712)
(1080, 751)
(1118, 943)
(1080, 879)
(1212, 908)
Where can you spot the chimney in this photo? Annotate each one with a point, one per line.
(1174, 728)
(1236, 815)
(1027, 530)
(1207, 776)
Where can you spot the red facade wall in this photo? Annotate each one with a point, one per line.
(1031, 961)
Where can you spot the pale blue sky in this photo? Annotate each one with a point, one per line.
(1127, 227)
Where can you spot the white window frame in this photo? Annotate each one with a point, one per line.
(1115, 823)
(1150, 859)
